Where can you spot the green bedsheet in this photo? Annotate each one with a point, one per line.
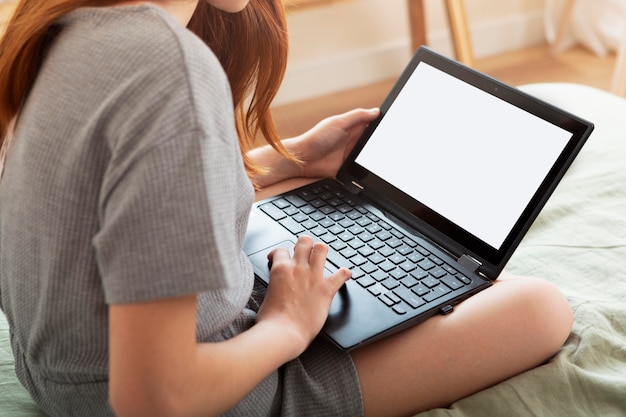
(579, 243)
(14, 400)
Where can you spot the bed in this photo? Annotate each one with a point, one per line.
(579, 243)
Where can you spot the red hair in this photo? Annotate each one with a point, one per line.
(251, 46)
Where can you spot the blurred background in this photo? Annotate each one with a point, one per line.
(348, 53)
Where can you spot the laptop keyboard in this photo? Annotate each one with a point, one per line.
(390, 265)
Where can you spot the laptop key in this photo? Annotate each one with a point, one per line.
(281, 203)
(374, 228)
(358, 260)
(292, 225)
(435, 260)
(366, 251)
(464, 279)
(407, 266)
(356, 244)
(419, 274)
(336, 216)
(308, 209)
(306, 195)
(420, 290)
(449, 269)
(405, 250)
(369, 268)
(390, 283)
(338, 245)
(386, 251)
(399, 309)
(409, 282)
(344, 208)
(309, 224)
(422, 250)
(376, 244)
(431, 282)
(337, 259)
(426, 264)
(385, 299)
(438, 272)
(357, 273)
(376, 258)
(415, 257)
(437, 292)
(348, 253)
(336, 230)
(319, 231)
(452, 282)
(366, 281)
(397, 274)
(393, 297)
(384, 225)
(387, 266)
(317, 203)
(300, 217)
(380, 275)
(328, 238)
(273, 211)
(409, 297)
(376, 290)
(295, 200)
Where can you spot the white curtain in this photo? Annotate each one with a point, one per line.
(599, 25)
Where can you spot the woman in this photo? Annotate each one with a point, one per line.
(123, 205)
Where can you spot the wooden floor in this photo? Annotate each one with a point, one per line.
(526, 66)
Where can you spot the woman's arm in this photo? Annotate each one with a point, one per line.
(157, 368)
(321, 150)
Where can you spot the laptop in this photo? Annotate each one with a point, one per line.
(431, 203)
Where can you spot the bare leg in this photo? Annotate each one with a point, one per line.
(511, 327)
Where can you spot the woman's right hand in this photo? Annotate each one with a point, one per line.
(298, 295)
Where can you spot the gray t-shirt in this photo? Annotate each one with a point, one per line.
(124, 184)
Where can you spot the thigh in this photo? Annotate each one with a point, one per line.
(516, 324)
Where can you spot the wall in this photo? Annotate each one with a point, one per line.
(355, 43)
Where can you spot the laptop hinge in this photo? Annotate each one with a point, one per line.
(469, 263)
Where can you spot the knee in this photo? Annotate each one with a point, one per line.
(547, 313)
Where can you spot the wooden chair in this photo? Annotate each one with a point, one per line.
(457, 21)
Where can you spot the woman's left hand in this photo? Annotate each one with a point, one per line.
(323, 149)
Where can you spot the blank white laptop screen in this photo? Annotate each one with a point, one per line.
(469, 156)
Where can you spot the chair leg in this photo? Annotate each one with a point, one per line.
(457, 21)
(417, 21)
